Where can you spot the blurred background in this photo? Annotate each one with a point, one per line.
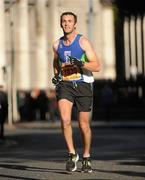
(28, 29)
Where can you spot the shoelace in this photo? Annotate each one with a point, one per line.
(86, 162)
(70, 156)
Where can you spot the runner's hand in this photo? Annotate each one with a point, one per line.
(55, 80)
(75, 61)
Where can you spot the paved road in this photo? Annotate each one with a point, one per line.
(38, 152)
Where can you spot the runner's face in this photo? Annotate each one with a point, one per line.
(68, 24)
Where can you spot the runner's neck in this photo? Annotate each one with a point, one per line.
(69, 39)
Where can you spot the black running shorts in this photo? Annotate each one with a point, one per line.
(79, 93)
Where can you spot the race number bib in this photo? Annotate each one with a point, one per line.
(70, 72)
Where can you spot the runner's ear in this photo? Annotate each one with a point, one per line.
(75, 26)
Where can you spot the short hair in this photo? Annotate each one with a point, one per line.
(68, 13)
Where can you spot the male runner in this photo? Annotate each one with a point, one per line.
(74, 62)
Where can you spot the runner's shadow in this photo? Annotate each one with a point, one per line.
(29, 168)
(16, 177)
(126, 173)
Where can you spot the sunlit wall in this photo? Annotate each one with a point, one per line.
(29, 27)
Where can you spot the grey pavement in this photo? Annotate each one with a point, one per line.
(36, 151)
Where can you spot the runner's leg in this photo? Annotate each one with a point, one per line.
(65, 108)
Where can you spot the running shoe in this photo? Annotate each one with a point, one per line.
(86, 165)
(71, 164)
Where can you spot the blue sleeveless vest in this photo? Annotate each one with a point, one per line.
(73, 50)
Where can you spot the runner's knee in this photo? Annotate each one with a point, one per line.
(85, 127)
(66, 122)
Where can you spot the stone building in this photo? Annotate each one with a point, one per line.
(29, 27)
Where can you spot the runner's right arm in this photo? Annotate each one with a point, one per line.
(56, 78)
(55, 59)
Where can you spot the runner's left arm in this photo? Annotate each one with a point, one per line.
(93, 63)
(55, 79)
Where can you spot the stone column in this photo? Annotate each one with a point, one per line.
(54, 34)
(139, 46)
(144, 41)
(126, 48)
(23, 60)
(55, 20)
(133, 67)
(97, 30)
(108, 43)
(2, 43)
(90, 20)
(41, 45)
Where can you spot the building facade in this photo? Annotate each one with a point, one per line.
(29, 28)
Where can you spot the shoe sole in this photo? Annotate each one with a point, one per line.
(86, 171)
